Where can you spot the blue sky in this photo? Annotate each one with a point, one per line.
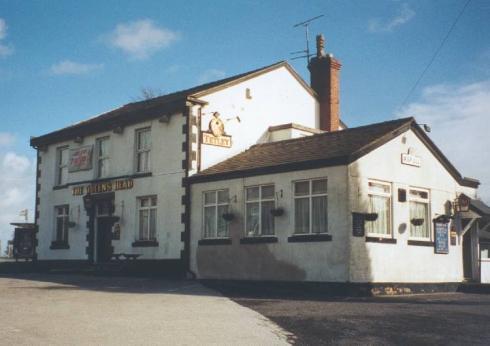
(65, 61)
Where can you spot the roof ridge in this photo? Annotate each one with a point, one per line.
(326, 134)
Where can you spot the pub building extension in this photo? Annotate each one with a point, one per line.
(255, 177)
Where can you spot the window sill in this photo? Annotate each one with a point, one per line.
(58, 245)
(380, 240)
(258, 240)
(145, 243)
(142, 174)
(215, 241)
(421, 243)
(306, 238)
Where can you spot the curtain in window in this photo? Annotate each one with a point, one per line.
(419, 211)
(222, 230)
(302, 215)
(267, 219)
(381, 206)
(209, 222)
(252, 218)
(319, 214)
(153, 222)
(143, 224)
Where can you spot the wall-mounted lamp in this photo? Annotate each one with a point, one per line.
(118, 130)
(426, 127)
(78, 139)
(164, 119)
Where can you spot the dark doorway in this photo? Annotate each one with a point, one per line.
(467, 268)
(104, 239)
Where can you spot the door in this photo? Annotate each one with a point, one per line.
(104, 239)
(467, 255)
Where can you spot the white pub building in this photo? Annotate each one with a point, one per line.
(255, 177)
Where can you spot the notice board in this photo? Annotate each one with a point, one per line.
(441, 238)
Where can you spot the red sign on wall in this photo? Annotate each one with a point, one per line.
(80, 159)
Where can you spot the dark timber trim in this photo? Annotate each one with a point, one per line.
(259, 240)
(420, 243)
(380, 240)
(216, 241)
(145, 243)
(303, 238)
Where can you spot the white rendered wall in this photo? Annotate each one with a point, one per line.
(485, 271)
(277, 98)
(165, 182)
(309, 261)
(380, 262)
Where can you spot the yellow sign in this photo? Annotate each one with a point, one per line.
(221, 141)
(103, 187)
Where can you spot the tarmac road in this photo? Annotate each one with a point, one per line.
(54, 309)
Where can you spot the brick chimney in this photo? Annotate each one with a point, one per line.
(324, 79)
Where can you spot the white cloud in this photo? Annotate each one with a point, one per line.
(404, 15)
(141, 38)
(68, 67)
(459, 118)
(211, 75)
(17, 181)
(5, 49)
(6, 139)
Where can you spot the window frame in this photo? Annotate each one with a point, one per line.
(216, 205)
(426, 201)
(138, 151)
(138, 218)
(310, 204)
(60, 165)
(99, 158)
(389, 195)
(259, 200)
(66, 218)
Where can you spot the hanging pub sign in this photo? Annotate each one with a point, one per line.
(80, 159)
(441, 238)
(109, 186)
(216, 133)
(358, 224)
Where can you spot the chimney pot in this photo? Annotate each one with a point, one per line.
(320, 46)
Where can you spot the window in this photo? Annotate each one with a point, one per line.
(143, 147)
(102, 147)
(485, 251)
(62, 166)
(215, 205)
(379, 202)
(259, 203)
(310, 206)
(62, 217)
(147, 215)
(419, 214)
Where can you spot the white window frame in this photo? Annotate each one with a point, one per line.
(65, 216)
(260, 200)
(216, 205)
(310, 201)
(428, 216)
(150, 207)
(139, 151)
(388, 195)
(100, 158)
(60, 166)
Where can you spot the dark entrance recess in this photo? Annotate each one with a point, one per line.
(467, 270)
(104, 239)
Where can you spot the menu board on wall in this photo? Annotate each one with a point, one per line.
(441, 238)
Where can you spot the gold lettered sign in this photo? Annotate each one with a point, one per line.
(221, 141)
(216, 133)
(124, 184)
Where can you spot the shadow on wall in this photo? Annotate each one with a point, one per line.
(360, 260)
(244, 261)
